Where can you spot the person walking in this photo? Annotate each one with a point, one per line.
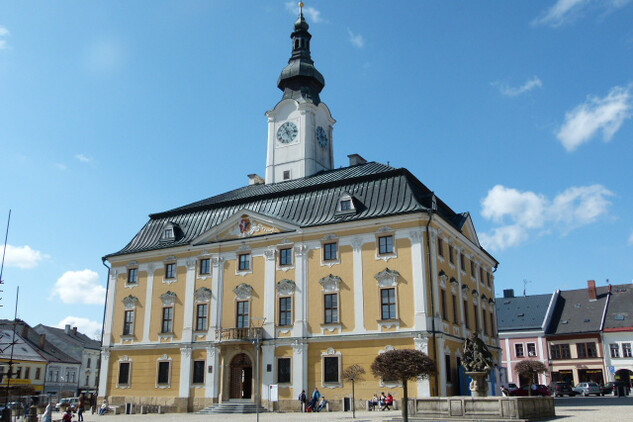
(80, 409)
(47, 416)
(303, 399)
(316, 395)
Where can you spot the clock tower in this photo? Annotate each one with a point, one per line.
(300, 126)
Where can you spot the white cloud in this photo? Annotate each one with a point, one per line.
(357, 40)
(631, 239)
(509, 91)
(519, 214)
(313, 14)
(565, 11)
(85, 326)
(4, 32)
(80, 287)
(595, 115)
(83, 158)
(23, 257)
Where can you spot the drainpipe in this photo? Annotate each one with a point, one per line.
(105, 307)
(428, 254)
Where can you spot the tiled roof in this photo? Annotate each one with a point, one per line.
(51, 353)
(378, 190)
(576, 313)
(72, 344)
(522, 313)
(620, 308)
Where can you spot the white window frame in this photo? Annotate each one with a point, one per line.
(168, 359)
(331, 353)
(386, 232)
(124, 359)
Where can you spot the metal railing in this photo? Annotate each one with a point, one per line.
(249, 333)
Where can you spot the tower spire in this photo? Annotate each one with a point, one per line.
(300, 80)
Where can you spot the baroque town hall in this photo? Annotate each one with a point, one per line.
(293, 278)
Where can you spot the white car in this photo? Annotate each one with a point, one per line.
(587, 388)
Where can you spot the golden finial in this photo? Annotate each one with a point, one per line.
(301, 6)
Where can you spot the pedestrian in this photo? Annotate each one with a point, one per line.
(303, 399)
(47, 416)
(382, 401)
(68, 416)
(104, 408)
(374, 402)
(80, 409)
(316, 395)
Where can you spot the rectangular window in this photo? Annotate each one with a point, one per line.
(170, 270)
(440, 247)
(243, 314)
(388, 303)
(163, 373)
(586, 350)
(485, 321)
(330, 365)
(518, 350)
(331, 308)
(447, 367)
(38, 373)
(330, 251)
(168, 320)
(626, 350)
(472, 268)
(198, 372)
(488, 278)
(492, 323)
(451, 254)
(285, 256)
(285, 311)
(443, 305)
(385, 245)
(476, 309)
(124, 373)
(128, 323)
(87, 380)
(560, 351)
(346, 205)
(462, 262)
(466, 319)
(531, 349)
(615, 350)
(481, 274)
(244, 262)
(27, 372)
(88, 363)
(132, 275)
(205, 266)
(283, 370)
(202, 315)
(455, 311)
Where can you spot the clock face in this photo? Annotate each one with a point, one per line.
(321, 137)
(287, 133)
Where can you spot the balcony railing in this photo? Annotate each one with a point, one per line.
(248, 334)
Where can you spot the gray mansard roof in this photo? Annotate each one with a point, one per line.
(377, 191)
(523, 313)
(576, 313)
(620, 309)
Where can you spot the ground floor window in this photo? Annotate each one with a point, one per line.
(590, 375)
(283, 370)
(163, 373)
(563, 376)
(198, 372)
(330, 366)
(124, 373)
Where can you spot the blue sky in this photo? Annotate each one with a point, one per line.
(516, 111)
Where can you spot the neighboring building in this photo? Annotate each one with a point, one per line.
(80, 347)
(321, 267)
(28, 367)
(62, 371)
(617, 335)
(575, 336)
(522, 322)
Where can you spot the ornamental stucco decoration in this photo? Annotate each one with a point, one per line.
(130, 302)
(203, 294)
(443, 277)
(387, 278)
(243, 291)
(168, 298)
(454, 281)
(475, 293)
(465, 288)
(484, 298)
(286, 287)
(331, 283)
(385, 229)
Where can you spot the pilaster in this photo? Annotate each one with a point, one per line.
(212, 381)
(359, 294)
(107, 328)
(300, 328)
(270, 276)
(185, 371)
(217, 292)
(268, 358)
(424, 386)
(300, 367)
(104, 375)
(420, 285)
(148, 300)
(190, 284)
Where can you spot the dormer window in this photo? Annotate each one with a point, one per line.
(169, 232)
(345, 204)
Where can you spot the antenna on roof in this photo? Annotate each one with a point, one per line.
(6, 236)
(525, 283)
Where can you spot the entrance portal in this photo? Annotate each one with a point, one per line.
(241, 377)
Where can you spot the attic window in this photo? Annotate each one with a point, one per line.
(345, 205)
(169, 233)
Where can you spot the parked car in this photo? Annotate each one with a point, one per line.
(587, 388)
(512, 386)
(66, 402)
(612, 388)
(561, 388)
(537, 390)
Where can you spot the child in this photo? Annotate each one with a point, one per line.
(68, 416)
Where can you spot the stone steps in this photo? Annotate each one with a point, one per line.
(232, 406)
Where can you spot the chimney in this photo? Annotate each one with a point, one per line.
(591, 286)
(508, 293)
(42, 341)
(355, 159)
(25, 331)
(67, 329)
(255, 179)
(74, 331)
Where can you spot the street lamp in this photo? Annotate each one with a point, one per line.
(258, 323)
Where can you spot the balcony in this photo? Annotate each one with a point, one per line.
(243, 334)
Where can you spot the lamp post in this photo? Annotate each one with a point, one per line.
(258, 323)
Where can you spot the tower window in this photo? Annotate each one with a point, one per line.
(385, 245)
(285, 256)
(205, 266)
(244, 263)
(132, 275)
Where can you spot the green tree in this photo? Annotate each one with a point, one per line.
(354, 373)
(404, 365)
(530, 369)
